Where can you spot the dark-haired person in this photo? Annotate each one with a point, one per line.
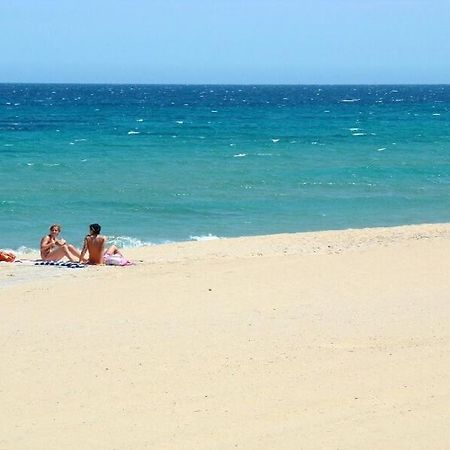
(94, 244)
(54, 248)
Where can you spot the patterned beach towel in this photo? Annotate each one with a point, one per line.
(68, 264)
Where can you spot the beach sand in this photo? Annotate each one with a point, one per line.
(328, 340)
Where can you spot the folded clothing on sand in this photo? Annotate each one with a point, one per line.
(116, 260)
(7, 256)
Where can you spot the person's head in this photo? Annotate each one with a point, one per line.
(95, 228)
(55, 228)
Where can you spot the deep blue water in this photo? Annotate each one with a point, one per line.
(170, 163)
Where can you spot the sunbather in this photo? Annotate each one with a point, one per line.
(54, 248)
(94, 244)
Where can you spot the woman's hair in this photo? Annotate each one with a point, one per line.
(95, 227)
(55, 225)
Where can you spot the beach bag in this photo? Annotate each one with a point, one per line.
(116, 260)
(7, 257)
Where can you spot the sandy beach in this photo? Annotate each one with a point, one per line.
(325, 340)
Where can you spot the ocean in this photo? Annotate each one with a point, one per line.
(164, 163)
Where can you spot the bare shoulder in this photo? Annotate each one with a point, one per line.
(98, 240)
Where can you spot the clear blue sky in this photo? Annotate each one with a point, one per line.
(225, 41)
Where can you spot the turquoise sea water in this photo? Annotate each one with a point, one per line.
(173, 163)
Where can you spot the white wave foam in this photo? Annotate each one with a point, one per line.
(208, 237)
(240, 155)
(120, 241)
(381, 149)
(275, 141)
(436, 114)
(179, 121)
(139, 120)
(134, 132)
(359, 134)
(23, 250)
(350, 100)
(354, 129)
(127, 242)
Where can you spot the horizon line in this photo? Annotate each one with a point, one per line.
(218, 84)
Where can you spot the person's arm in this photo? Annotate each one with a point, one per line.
(83, 252)
(46, 243)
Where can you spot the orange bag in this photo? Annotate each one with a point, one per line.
(6, 256)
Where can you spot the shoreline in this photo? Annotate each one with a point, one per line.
(410, 231)
(283, 244)
(25, 251)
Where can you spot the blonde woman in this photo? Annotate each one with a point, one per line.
(54, 248)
